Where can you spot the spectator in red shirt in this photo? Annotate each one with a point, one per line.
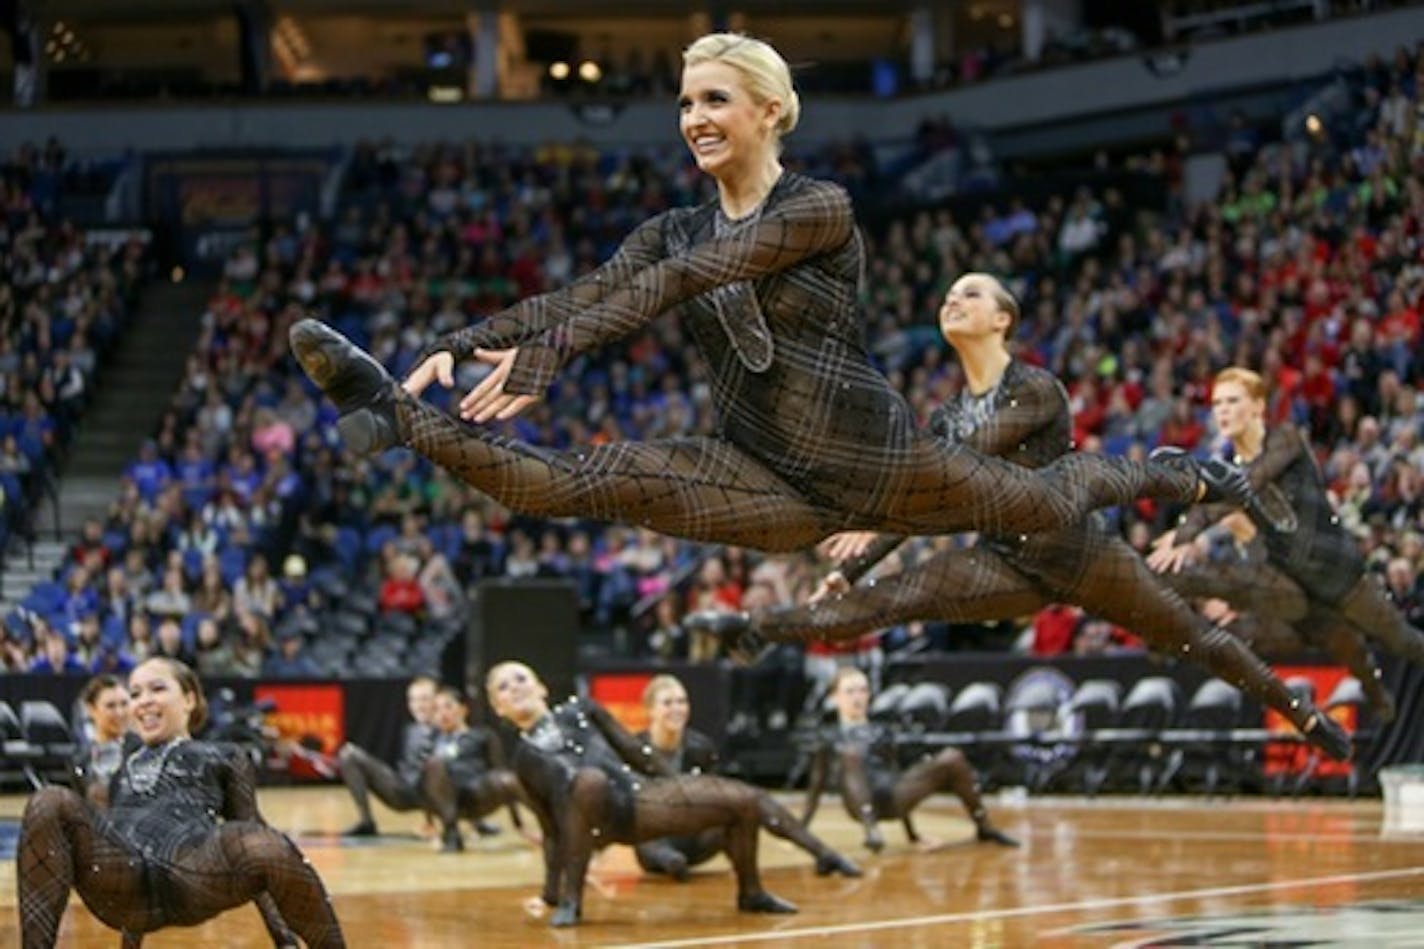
(400, 591)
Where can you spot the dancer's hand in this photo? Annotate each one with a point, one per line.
(835, 582)
(1171, 559)
(847, 544)
(488, 400)
(1218, 611)
(440, 368)
(1240, 525)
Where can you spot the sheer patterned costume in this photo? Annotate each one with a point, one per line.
(674, 855)
(398, 788)
(95, 763)
(860, 760)
(464, 777)
(160, 856)
(1321, 556)
(1025, 418)
(1312, 590)
(812, 437)
(585, 778)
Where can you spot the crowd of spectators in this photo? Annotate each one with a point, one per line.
(63, 299)
(1309, 266)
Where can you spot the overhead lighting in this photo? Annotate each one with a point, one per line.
(559, 70)
(446, 94)
(589, 71)
(1006, 21)
(1313, 125)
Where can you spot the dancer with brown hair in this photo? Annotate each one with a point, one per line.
(683, 750)
(464, 775)
(106, 699)
(398, 788)
(1018, 412)
(1330, 592)
(812, 438)
(859, 758)
(159, 856)
(581, 771)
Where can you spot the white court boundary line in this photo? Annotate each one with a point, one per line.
(915, 921)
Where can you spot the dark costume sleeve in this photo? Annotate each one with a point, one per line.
(1283, 446)
(532, 316)
(699, 753)
(635, 752)
(808, 223)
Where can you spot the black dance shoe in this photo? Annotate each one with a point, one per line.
(362, 828)
(362, 390)
(764, 902)
(829, 863)
(745, 646)
(1325, 733)
(485, 829)
(988, 834)
(451, 841)
(1225, 483)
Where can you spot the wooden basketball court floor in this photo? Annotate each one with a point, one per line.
(1108, 872)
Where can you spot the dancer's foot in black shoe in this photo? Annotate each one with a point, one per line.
(451, 841)
(832, 862)
(362, 390)
(745, 645)
(1325, 733)
(764, 902)
(1223, 482)
(989, 834)
(362, 828)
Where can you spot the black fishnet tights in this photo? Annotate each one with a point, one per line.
(471, 800)
(709, 489)
(1108, 579)
(65, 845)
(686, 805)
(363, 773)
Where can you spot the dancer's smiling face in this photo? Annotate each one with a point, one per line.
(669, 709)
(161, 709)
(972, 309)
(110, 712)
(725, 127)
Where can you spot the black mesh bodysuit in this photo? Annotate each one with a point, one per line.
(1280, 620)
(1025, 418)
(1321, 556)
(583, 774)
(398, 788)
(674, 855)
(461, 779)
(160, 856)
(812, 438)
(860, 761)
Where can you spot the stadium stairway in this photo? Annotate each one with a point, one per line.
(126, 405)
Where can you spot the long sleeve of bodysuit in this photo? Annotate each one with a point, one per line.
(533, 316)
(1283, 446)
(634, 752)
(813, 221)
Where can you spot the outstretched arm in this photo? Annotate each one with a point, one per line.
(811, 222)
(532, 316)
(625, 743)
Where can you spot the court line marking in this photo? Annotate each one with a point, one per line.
(916, 921)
